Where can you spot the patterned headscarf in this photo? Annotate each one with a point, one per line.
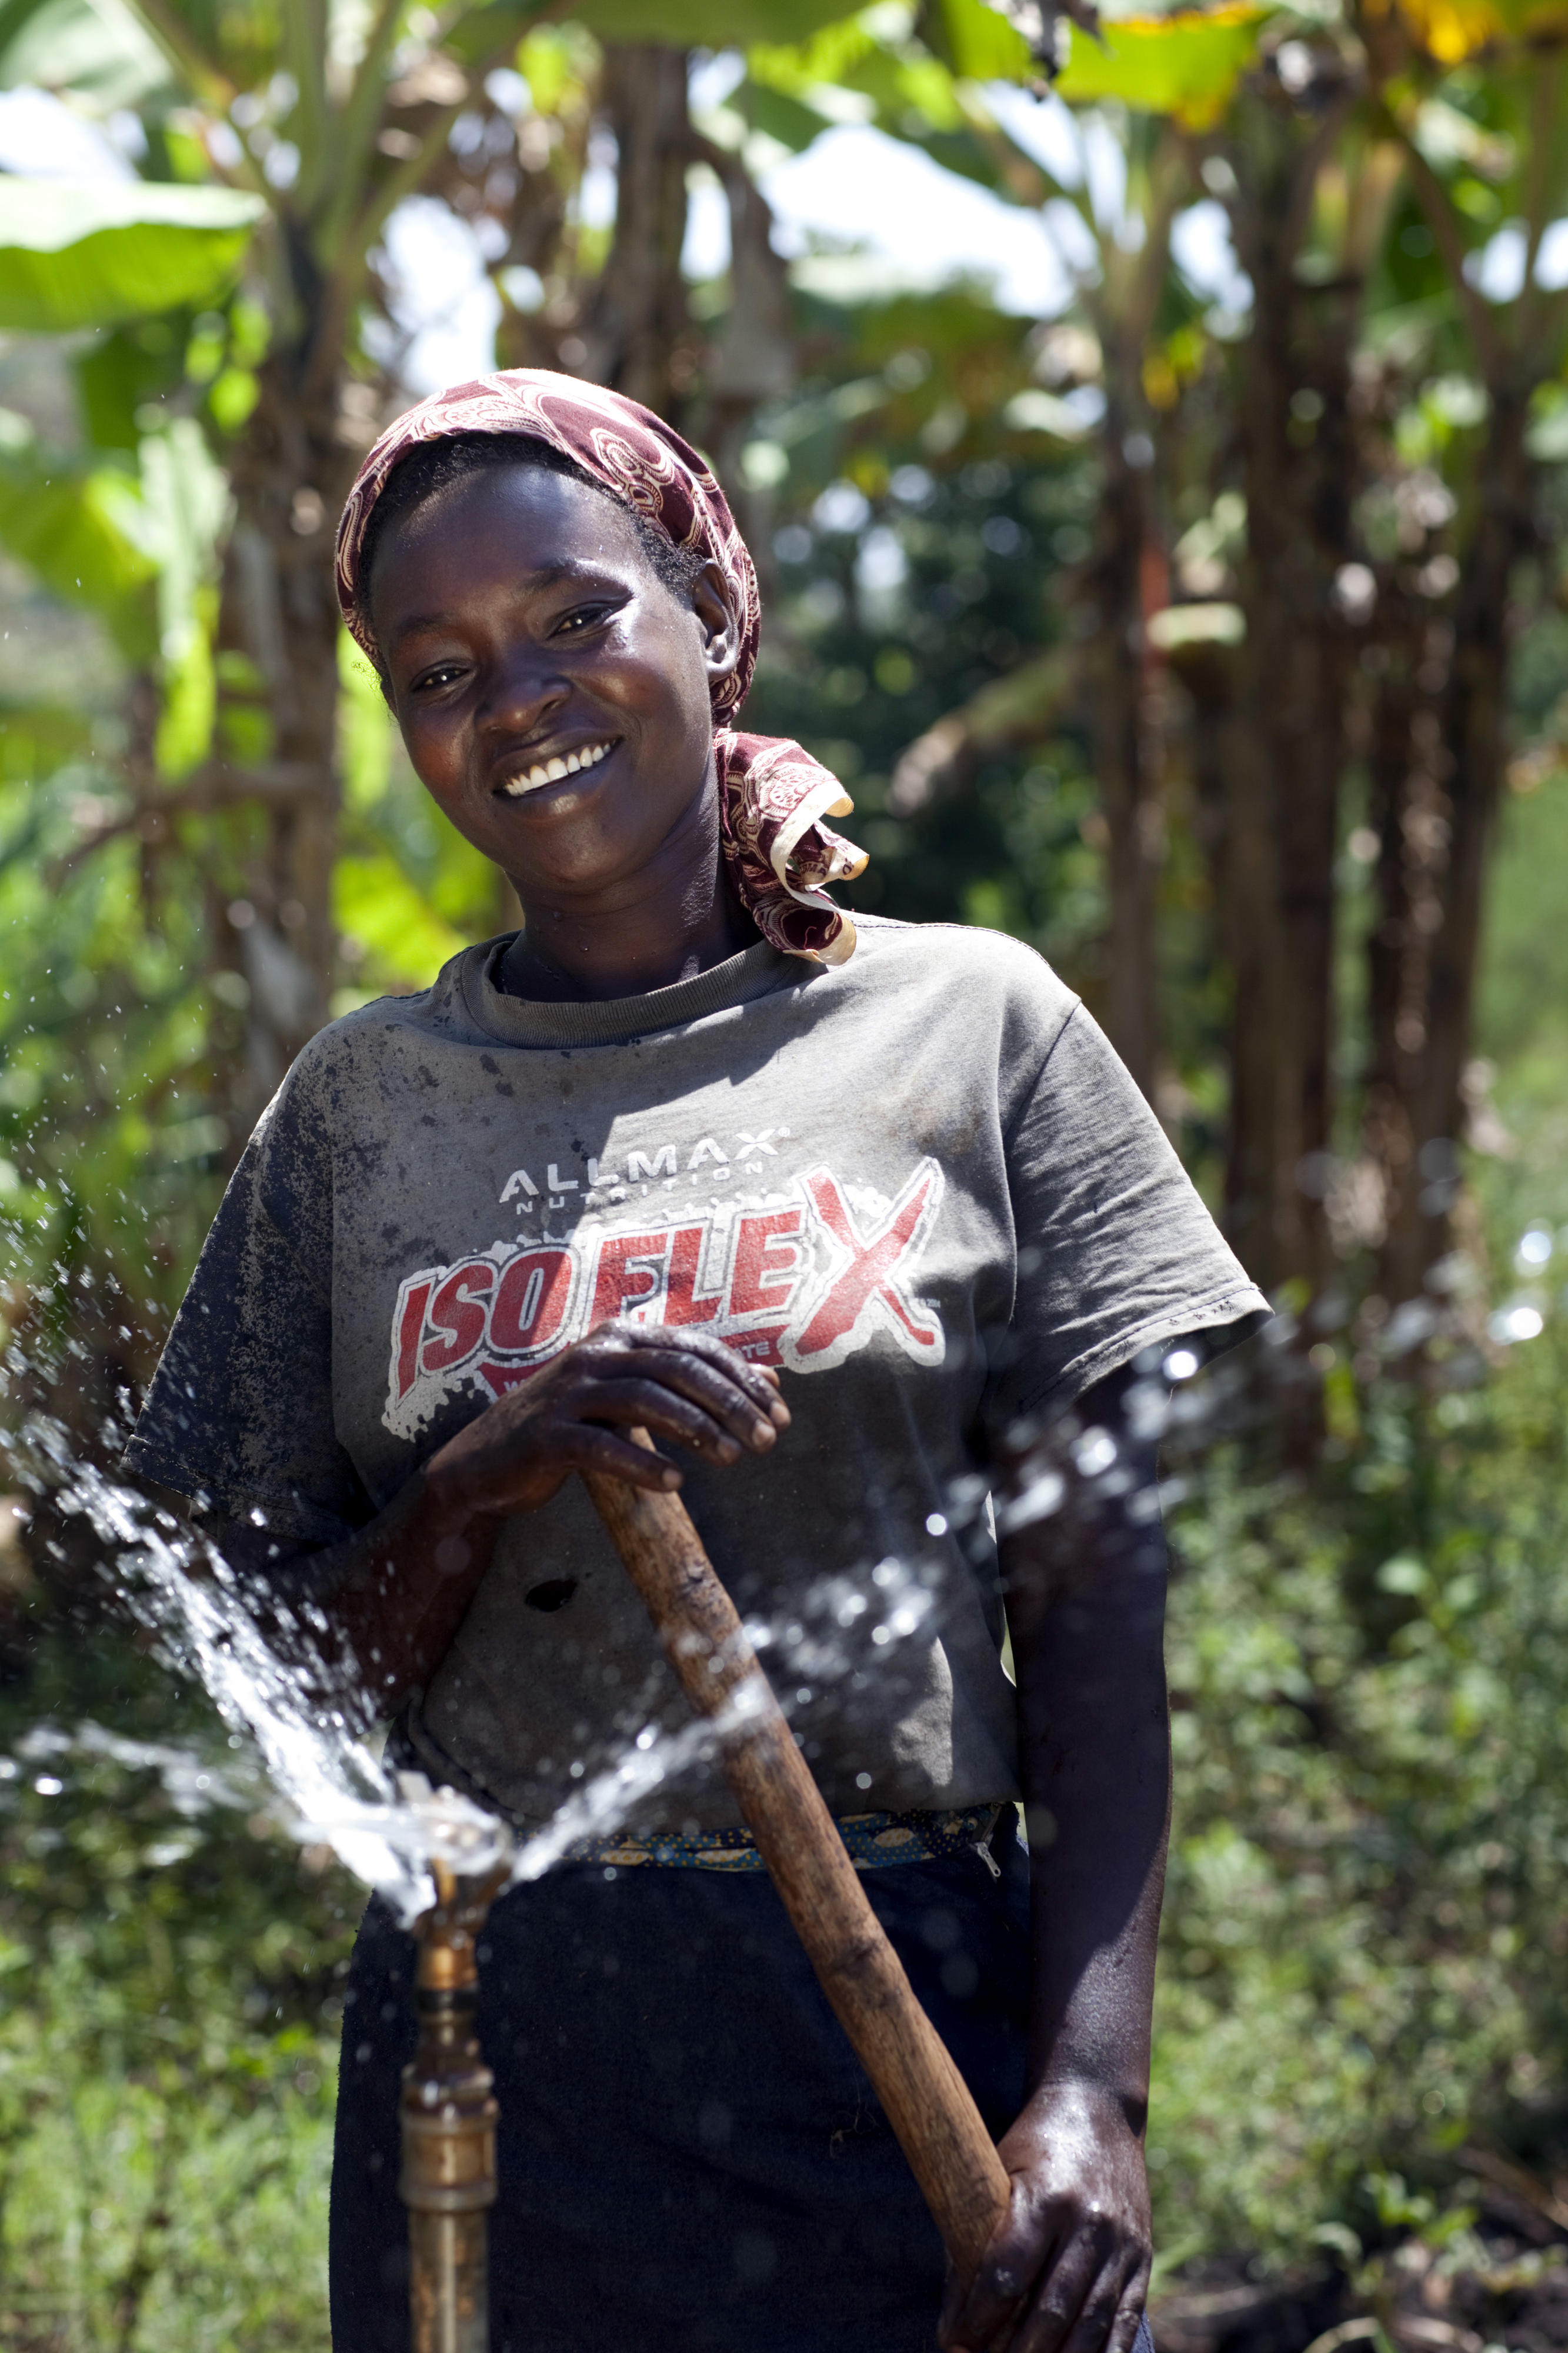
(773, 796)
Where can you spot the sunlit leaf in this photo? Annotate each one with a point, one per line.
(91, 253)
(779, 116)
(68, 528)
(373, 901)
(1452, 30)
(365, 729)
(1185, 65)
(977, 43)
(707, 23)
(96, 48)
(914, 98)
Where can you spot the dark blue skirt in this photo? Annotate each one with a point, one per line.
(691, 2158)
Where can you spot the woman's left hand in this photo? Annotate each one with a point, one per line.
(1068, 2270)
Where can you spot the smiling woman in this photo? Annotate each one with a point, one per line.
(686, 1134)
(560, 713)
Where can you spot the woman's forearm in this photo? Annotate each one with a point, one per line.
(1095, 1766)
(1086, 1592)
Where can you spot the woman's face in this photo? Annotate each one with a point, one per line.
(553, 692)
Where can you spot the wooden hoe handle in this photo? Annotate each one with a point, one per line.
(952, 2155)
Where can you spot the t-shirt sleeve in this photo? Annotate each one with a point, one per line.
(1116, 1251)
(240, 1416)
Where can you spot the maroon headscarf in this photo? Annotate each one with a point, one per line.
(773, 796)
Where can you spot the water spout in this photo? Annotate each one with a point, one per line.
(448, 2109)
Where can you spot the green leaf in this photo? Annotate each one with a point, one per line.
(708, 24)
(123, 371)
(913, 96)
(67, 527)
(977, 43)
(1186, 66)
(91, 253)
(95, 48)
(374, 901)
(779, 116)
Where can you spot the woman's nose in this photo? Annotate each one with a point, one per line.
(523, 690)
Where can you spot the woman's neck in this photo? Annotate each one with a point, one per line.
(672, 922)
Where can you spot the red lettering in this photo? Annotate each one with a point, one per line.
(457, 1311)
(871, 1272)
(502, 1377)
(764, 1276)
(532, 1302)
(409, 1330)
(620, 1282)
(681, 1305)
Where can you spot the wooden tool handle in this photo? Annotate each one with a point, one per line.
(952, 2155)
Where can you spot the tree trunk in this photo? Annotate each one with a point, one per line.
(1438, 784)
(638, 333)
(1125, 750)
(1297, 460)
(1406, 815)
(752, 360)
(290, 476)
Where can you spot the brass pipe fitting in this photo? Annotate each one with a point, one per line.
(449, 2115)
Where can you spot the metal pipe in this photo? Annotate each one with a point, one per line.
(448, 2113)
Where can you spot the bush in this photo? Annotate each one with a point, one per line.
(168, 2049)
(1363, 1969)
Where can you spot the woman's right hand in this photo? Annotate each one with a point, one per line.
(688, 1386)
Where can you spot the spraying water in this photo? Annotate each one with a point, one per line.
(335, 1788)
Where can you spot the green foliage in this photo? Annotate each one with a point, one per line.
(977, 41)
(711, 24)
(168, 2013)
(95, 48)
(1186, 64)
(408, 891)
(73, 525)
(95, 253)
(1362, 1965)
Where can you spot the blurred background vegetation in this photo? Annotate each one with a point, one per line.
(1203, 625)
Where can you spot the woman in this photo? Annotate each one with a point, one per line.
(686, 1142)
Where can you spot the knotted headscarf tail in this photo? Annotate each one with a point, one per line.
(773, 796)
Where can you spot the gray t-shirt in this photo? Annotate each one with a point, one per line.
(921, 1184)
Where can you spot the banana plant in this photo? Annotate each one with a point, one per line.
(293, 135)
(1149, 88)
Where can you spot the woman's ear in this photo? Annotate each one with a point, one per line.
(716, 619)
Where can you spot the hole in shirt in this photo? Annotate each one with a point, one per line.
(554, 1593)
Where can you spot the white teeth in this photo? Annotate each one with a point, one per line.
(550, 771)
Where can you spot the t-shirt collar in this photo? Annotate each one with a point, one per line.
(608, 1020)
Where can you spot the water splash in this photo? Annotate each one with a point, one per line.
(336, 1790)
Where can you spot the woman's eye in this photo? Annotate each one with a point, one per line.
(442, 675)
(584, 617)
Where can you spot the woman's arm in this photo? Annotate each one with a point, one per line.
(394, 1594)
(1085, 1584)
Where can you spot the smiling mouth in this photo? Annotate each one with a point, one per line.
(550, 772)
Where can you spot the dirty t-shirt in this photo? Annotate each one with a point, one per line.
(921, 1184)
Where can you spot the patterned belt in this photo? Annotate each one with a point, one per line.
(874, 1841)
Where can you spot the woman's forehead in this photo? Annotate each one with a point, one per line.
(512, 524)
